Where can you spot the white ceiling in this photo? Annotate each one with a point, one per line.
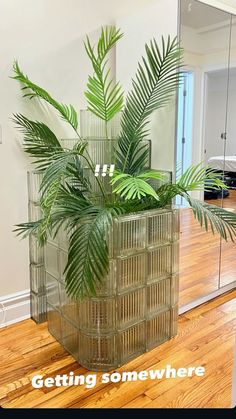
(197, 15)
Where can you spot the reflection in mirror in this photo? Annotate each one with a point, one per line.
(228, 250)
(204, 35)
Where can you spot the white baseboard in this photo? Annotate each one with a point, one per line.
(14, 308)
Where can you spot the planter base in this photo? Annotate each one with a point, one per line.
(136, 309)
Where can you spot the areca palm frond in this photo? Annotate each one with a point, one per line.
(133, 187)
(214, 218)
(104, 95)
(88, 257)
(31, 90)
(201, 177)
(62, 165)
(39, 140)
(155, 83)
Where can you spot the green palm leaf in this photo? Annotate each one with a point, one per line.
(88, 258)
(39, 141)
(214, 218)
(67, 112)
(201, 177)
(104, 96)
(133, 187)
(155, 83)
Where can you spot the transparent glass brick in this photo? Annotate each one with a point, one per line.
(108, 285)
(34, 182)
(174, 289)
(176, 223)
(158, 329)
(159, 263)
(69, 143)
(130, 308)
(98, 315)
(98, 352)
(63, 239)
(63, 258)
(131, 342)
(53, 239)
(174, 313)
(175, 257)
(34, 212)
(158, 296)
(37, 278)
(70, 337)
(159, 228)
(69, 306)
(129, 234)
(157, 183)
(38, 307)
(52, 290)
(93, 127)
(95, 182)
(51, 257)
(36, 252)
(130, 271)
(54, 322)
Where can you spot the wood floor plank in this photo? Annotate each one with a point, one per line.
(205, 337)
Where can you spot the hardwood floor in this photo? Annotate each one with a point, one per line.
(205, 337)
(200, 257)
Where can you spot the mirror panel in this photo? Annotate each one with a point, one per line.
(228, 250)
(204, 35)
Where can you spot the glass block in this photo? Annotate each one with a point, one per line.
(98, 315)
(38, 307)
(70, 337)
(69, 142)
(159, 263)
(159, 228)
(94, 182)
(51, 257)
(176, 223)
(158, 329)
(63, 239)
(63, 258)
(52, 239)
(34, 182)
(108, 285)
(98, 352)
(129, 234)
(52, 290)
(69, 306)
(174, 289)
(130, 308)
(54, 322)
(37, 278)
(93, 127)
(131, 342)
(36, 252)
(158, 296)
(130, 271)
(34, 212)
(174, 313)
(175, 257)
(157, 183)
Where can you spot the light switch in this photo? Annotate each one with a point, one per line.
(0, 134)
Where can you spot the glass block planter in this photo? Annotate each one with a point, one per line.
(136, 309)
(93, 127)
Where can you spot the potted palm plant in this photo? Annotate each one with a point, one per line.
(115, 293)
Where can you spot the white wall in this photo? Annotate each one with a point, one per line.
(159, 18)
(46, 37)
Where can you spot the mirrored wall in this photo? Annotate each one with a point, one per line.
(206, 131)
